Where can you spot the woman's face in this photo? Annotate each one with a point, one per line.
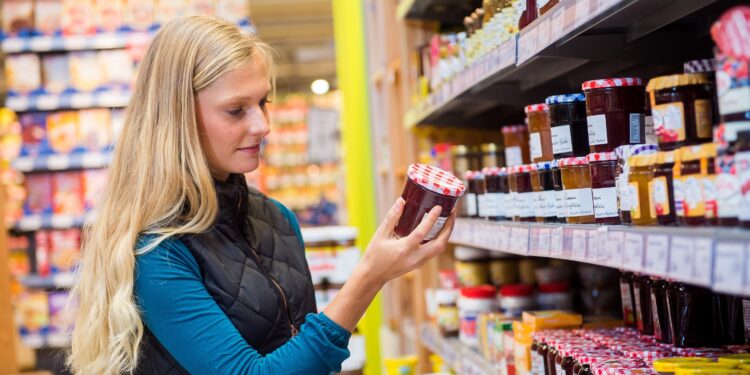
(233, 119)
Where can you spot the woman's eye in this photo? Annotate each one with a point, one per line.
(235, 112)
(264, 102)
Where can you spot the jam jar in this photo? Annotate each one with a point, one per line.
(707, 67)
(461, 162)
(516, 141)
(546, 198)
(682, 109)
(710, 195)
(742, 166)
(576, 180)
(426, 187)
(727, 190)
(492, 204)
(540, 135)
(525, 197)
(603, 167)
(512, 194)
(691, 208)
(659, 312)
(616, 109)
(470, 200)
(628, 300)
(691, 308)
(642, 292)
(624, 192)
(562, 212)
(661, 188)
(491, 157)
(641, 174)
(530, 13)
(570, 133)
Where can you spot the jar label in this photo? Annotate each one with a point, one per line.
(703, 118)
(659, 196)
(447, 318)
(679, 197)
(626, 197)
(513, 156)
(471, 273)
(651, 138)
(655, 317)
(635, 208)
(579, 202)
(731, 100)
(436, 228)
(535, 145)
(742, 163)
(597, 130)
(627, 303)
(526, 205)
(669, 122)
(636, 125)
(470, 203)
(492, 205)
(710, 195)
(545, 204)
(537, 363)
(638, 310)
(728, 194)
(562, 210)
(605, 202)
(561, 140)
(468, 331)
(692, 188)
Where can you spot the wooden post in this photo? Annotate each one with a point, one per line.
(8, 360)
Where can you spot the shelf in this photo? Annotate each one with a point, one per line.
(51, 341)
(59, 281)
(576, 41)
(459, 357)
(50, 102)
(89, 160)
(718, 258)
(49, 43)
(39, 222)
(446, 11)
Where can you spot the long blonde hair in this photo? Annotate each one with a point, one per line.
(159, 184)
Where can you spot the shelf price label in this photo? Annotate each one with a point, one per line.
(47, 102)
(729, 267)
(614, 248)
(633, 252)
(519, 237)
(657, 253)
(534, 241)
(545, 237)
(583, 11)
(527, 44)
(681, 258)
(41, 44)
(544, 33)
(58, 162)
(18, 103)
(578, 247)
(703, 255)
(556, 242)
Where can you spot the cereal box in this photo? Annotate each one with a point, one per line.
(66, 249)
(202, 7)
(62, 131)
(67, 193)
(139, 14)
(55, 72)
(42, 253)
(62, 313)
(78, 17)
(85, 71)
(94, 182)
(232, 10)
(34, 134)
(109, 15)
(32, 313)
(47, 15)
(23, 72)
(38, 194)
(18, 15)
(171, 9)
(117, 67)
(94, 132)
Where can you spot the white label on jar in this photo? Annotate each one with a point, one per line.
(535, 144)
(623, 188)
(468, 330)
(535, 196)
(561, 140)
(669, 121)
(728, 195)
(470, 202)
(597, 130)
(436, 228)
(525, 205)
(709, 196)
(513, 156)
(635, 128)
(537, 363)
(679, 197)
(651, 138)
(545, 204)
(742, 165)
(562, 210)
(492, 205)
(627, 303)
(605, 202)
(579, 202)
(731, 100)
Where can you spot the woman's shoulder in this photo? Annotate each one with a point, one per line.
(150, 251)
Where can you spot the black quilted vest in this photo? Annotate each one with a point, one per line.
(254, 266)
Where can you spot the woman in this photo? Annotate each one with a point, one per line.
(186, 269)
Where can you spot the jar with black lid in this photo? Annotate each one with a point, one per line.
(570, 134)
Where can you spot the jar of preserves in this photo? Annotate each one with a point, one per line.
(616, 109)
(624, 192)
(546, 204)
(692, 308)
(560, 207)
(728, 193)
(447, 313)
(576, 180)
(490, 155)
(742, 165)
(425, 188)
(710, 195)
(641, 174)
(628, 300)
(529, 13)
(707, 67)
(642, 292)
(603, 167)
(659, 312)
(460, 159)
(512, 194)
(691, 209)
(540, 135)
(661, 187)
(470, 200)
(516, 140)
(570, 133)
(682, 109)
(525, 201)
(491, 205)
(472, 302)
(472, 266)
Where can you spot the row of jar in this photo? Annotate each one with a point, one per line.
(637, 184)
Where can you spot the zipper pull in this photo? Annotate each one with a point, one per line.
(294, 330)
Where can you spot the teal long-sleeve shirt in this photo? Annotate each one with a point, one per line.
(183, 316)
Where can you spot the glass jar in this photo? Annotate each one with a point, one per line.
(470, 200)
(546, 5)
(742, 165)
(624, 192)
(570, 133)
(616, 109)
(728, 196)
(460, 160)
(576, 180)
(659, 312)
(542, 352)
(603, 167)
(490, 155)
(503, 269)
(540, 135)
(551, 361)
(472, 302)
(661, 187)
(732, 83)
(546, 198)
(516, 298)
(447, 313)
(689, 187)
(692, 309)
(682, 109)
(651, 138)
(641, 174)
(628, 301)
(710, 195)
(425, 188)
(642, 292)
(516, 141)
(472, 266)
(525, 202)
(554, 296)
(492, 204)
(707, 67)
(529, 13)
(512, 194)
(560, 207)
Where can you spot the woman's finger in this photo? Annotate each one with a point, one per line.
(437, 245)
(423, 229)
(391, 219)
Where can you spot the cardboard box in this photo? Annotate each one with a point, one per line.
(55, 72)
(85, 71)
(552, 319)
(232, 10)
(32, 313)
(38, 194)
(62, 131)
(110, 15)
(42, 253)
(18, 16)
(48, 16)
(117, 67)
(139, 14)
(23, 73)
(94, 131)
(66, 250)
(34, 134)
(78, 17)
(62, 313)
(94, 182)
(171, 9)
(67, 193)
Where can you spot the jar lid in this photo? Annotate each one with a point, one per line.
(469, 253)
(676, 80)
(446, 296)
(459, 150)
(482, 291)
(736, 359)
(730, 33)
(488, 147)
(705, 368)
(513, 128)
(566, 98)
(642, 160)
(665, 157)
(555, 163)
(504, 171)
(516, 290)
(554, 287)
(611, 82)
(700, 66)
(544, 165)
(601, 156)
(526, 168)
(670, 364)
(626, 151)
(541, 107)
(691, 153)
(436, 180)
(578, 160)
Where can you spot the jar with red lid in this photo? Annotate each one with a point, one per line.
(570, 133)
(604, 187)
(472, 302)
(516, 298)
(554, 296)
(643, 317)
(516, 141)
(661, 188)
(475, 189)
(616, 112)
(530, 12)
(576, 179)
(426, 187)
(525, 197)
(540, 136)
(688, 186)
(492, 205)
(564, 363)
(546, 205)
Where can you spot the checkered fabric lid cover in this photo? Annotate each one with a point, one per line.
(436, 180)
(567, 98)
(700, 66)
(579, 160)
(601, 156)
(536, 108)
(611, 82)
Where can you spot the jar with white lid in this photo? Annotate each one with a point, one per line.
(447, 311)
(472, 302)
(516, 298)
(554, 296)
(472, 266)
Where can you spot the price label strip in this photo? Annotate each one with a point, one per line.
(614, 249)
(633, 252)
(703, 261)
(681, 258)
(578, 244)
(657, 253)
(556, 242)
(545, 239)
(729, 267)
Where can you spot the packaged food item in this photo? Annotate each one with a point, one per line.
(570, 134)
(735, 359)
(110, 15)
(560, 206)
(66, 248)
(689, 188)
(117, 122)
(661, 319)
(47, 18)
(461, 160)
(471, 202)
(447, 313)
(513, 199)
(202, 7)
(641, 174)
(732, 75)
(616, 109)
(729, 196)
(18, 256)
(94, 182)
(516, 298)
(576, 180)
(18, 16)
(707, 67)
(624, 191)
(426, 187)
(503, 269)
(516, 141)
(522, 342)
(42, 253)
(67, 193)
(742, 165)
(661, 189)
(38, 194)
(85, 71)
(706, 368)
(493, 204)
(553, 319)
(34, 134)
(540, 134)
(62, 131)
(32, 313)
(472, 302)
(139, 14)
(78, 17)
(691, 308)
(682, 109)
(233, 11)
(62, 313)
(94, 133)
(525, 195)
(23, 73)
(117, 67)
(172, 9)
(643, 311)
(491, 157)
(554, 296)
(544, 186)
(472, 266)
(604, 187)
(667, 366)
(710, 194)
(448, 279)
(56, 72)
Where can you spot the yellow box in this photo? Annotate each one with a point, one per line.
(596, 322)
(552, 319)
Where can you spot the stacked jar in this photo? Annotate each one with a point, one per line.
(641, 174)
(603, 167)
(472, 302)
(742, 165)
(576, 182)
(624, 192)
(661, 189)
(570, 134)
(616, 112)
(540, 135)
(728, 193)
(525, 197)
(515, 299)
(475, 185)
(492, 205)
(688, 187)
(472, 266)
(516, 141)
(544, 188)
(560, 206)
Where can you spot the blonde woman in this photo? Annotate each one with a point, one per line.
(186, 269)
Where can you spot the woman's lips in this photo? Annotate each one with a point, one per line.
(250, 150)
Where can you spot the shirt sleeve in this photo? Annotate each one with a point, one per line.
(183, 316)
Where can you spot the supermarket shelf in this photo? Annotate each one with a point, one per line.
(445, 11)
(712, 257)
(59, 281)
(51, 341)
(48, 43)
(50, 102)
(39, 222)
(575, 41)
(460, 358)
(87, 160)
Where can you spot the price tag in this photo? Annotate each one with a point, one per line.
(47, 102)
(578, 247)
(62, 221)
(72, 43)
(18, 103)
(93, 160)
(582, 11)
(504, 240)
(113, 99)
(703, 254)
(81, 100)
(681, 258)
(593, 246)
(633, 252)
(58, 162)
(545, 236)
(729, 267)
(544, 33)
(519, 240)
(558, 26)
(615, 248)
(41, 44)
(556, 243)
(12, 45)
(508, 53)
(534, 241)
(657, 253)
(23, 164)
(527, 45)
(601, 242)
(109, 40)
(30, 223)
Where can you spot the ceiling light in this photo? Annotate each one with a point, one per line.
(320, 86)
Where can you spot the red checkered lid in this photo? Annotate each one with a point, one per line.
(526, 168)
(541, 107)
(436, 180)
(611, 82)
(579, 160)
(625, 371)
(601, 156)
(513, 128)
